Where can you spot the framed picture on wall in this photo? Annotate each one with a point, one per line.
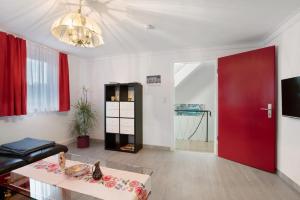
(154, 80)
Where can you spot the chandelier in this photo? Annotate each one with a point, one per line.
(77, 30)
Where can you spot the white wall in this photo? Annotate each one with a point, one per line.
(198, 88)
(51, 126)
(288, 64)
(158, 100)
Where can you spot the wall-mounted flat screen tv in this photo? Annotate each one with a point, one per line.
(290, 89)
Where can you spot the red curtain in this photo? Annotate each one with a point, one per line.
(64, 88)
(13, 85)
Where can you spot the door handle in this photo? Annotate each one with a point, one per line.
(269, 110)
(265, 109)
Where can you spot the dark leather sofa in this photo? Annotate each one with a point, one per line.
(9, 163)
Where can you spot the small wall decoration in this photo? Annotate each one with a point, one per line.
(154, 80)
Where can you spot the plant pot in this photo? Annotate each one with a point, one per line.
(83, 141)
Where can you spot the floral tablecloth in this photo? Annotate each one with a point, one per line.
(114, 185)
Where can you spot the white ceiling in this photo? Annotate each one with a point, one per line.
(178, 23)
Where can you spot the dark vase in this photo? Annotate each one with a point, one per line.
(97, 174)
(83, 141)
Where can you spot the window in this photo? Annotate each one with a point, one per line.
(42, 78)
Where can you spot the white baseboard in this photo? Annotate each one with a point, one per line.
(146, 146)
(67, 141)
(164, 148)
(96, 137)
(97, 140)
(289, 181)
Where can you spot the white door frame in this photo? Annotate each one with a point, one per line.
(173, 138)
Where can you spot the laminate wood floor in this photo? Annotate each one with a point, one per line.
(186, 175)
(194, 145)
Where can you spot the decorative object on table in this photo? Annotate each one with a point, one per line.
(84, 120)
(127, 147)
(77, 170)
(130, 99)
(62, 160)
(78, 30)
(154, 80)
(97, 173)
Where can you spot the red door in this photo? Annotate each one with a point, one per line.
(247, 92)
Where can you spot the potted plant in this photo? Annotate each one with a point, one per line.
(84, 120)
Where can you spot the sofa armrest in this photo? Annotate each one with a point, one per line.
(44, 153)
(7, 164)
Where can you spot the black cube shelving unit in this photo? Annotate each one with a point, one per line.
(124, 117)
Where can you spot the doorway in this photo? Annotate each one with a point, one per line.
(195, 106)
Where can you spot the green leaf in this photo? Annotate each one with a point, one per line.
(84, 117)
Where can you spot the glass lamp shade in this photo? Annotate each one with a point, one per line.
(77, 30)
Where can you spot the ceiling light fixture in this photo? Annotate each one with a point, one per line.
(77, 30)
